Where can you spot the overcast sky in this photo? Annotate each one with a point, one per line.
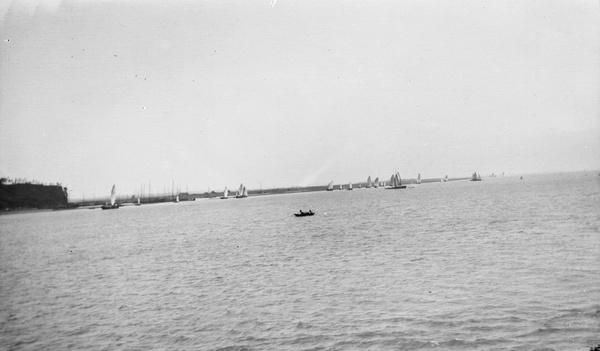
(214, 93)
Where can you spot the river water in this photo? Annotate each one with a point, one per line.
(502, 264)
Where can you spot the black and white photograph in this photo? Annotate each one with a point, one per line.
(294, 175)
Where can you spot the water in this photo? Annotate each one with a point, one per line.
(502, 264)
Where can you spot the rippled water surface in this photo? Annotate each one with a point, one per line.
(502, 264)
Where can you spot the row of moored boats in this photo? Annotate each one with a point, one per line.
(395, 182)
(241, 193)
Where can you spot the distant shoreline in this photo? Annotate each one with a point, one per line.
(183, 197)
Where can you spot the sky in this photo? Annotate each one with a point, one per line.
(208, 94)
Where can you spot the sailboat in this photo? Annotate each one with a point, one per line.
(376, 182)
(225, 193)
(341, 187)
(476, 177)
(113, 200)
(176, 199)
(396, 182)
(349, 186)
(241, 192)
(138, 203)
(330, 186)
(369, 183)
(413, 185)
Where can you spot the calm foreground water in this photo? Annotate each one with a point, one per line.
(502, 264)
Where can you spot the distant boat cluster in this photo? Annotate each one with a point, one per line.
(241, 193)
(395, 182)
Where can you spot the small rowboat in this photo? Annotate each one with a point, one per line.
(304, 214)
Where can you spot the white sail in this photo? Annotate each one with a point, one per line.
(341, 187)
(241, 192)
(177, 198)
(397, 180)
(349, 186)
(330, 186)
(369, 183)
(113, 195)
(419, 179)
(225, 192)
(376, 182)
